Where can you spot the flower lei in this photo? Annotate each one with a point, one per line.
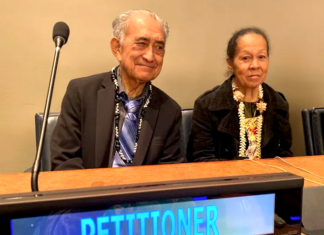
(261, 106)
(117, 117)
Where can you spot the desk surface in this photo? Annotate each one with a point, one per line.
(20, 182)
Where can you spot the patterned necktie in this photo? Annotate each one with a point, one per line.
(128, 132)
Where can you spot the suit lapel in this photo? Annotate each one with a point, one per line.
(224, 105)
(271, 118)
(267, 127)
(230, 124)
(105, 123)
(146, 134)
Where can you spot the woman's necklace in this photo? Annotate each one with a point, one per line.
(261, 107)
(117, 117)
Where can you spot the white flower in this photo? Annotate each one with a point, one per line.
(238, 96)
(261, 106)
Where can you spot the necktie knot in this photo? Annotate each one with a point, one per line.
(131, 106)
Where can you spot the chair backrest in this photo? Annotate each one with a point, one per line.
(318, 123)
(51, 123)
(308, 131)
(186, 128)
(313, 122)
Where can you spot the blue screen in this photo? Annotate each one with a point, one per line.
(189, 216)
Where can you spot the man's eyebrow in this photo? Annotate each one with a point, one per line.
(142, 39)
(147, 39)
(161, 42)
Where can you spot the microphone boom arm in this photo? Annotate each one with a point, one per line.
(59, 41)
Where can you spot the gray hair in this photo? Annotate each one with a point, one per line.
(120, 23)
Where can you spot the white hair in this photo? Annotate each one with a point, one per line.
(121, 22)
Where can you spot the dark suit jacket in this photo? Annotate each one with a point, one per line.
(215, 133)
(84, 134)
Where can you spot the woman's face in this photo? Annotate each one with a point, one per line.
(250, 62)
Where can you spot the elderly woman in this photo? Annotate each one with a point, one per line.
(244, 118)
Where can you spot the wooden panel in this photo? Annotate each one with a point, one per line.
(20, 182)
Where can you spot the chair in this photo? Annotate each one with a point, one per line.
(52, 119)
(51, 123)
(313, 121)
(308, 131)
(186, 128)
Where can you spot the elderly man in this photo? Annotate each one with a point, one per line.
(119, 118)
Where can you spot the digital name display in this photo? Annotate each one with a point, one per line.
(233, 215)
(181, 221)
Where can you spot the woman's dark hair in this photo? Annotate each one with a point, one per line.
(232, 43)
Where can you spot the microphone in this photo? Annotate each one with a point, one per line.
(61, 34)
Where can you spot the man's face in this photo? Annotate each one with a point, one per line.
(142, 52)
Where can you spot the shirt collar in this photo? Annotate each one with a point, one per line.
(123, 91)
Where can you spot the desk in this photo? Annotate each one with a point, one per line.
(20, 182)
(313, 204)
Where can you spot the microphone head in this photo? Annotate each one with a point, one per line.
(62, 30)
